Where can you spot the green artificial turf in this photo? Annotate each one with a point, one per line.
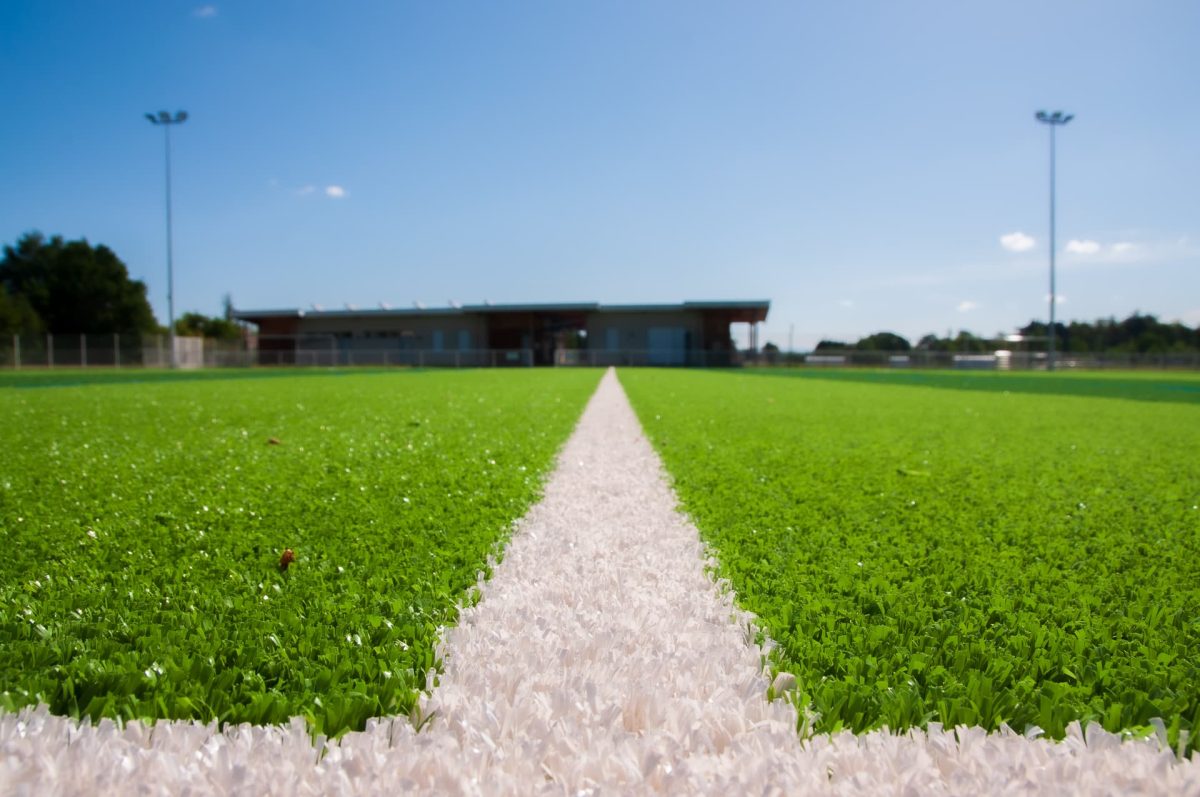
(966, 557)
(143, 527)
(1175, 386)
(80, 377)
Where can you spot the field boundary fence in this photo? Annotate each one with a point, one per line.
(41, 351)
(978, 361)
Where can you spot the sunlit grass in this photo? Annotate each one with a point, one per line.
(144, 526)
(978, 557)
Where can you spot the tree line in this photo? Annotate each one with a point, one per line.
(1138, 334)
(65, 287)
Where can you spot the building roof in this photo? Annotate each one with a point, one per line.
(742, 311)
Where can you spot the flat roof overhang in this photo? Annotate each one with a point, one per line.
(372, 312)
(565, 307)
(748, 312)
(737, 311)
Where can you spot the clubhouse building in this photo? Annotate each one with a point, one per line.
(585, 333)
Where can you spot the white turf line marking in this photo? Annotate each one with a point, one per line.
(602, 658)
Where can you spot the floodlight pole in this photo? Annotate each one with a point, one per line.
(165, 120)
(1053, 120)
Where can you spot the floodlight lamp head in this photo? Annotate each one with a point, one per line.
(181, 116)
(164, 117)
(153, 119)
(1056, 118)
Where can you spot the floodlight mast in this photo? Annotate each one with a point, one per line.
(165, 120)
(1053, 120)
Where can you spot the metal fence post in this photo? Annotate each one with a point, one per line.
(17, 352)
(82, 350)
(49, 350)
(116, 350)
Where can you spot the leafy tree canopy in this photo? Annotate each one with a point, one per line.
(1137, 334)
(70, 286)
(16, 314)
(883, 341)
(1141, 334)
(201, 325)
(964, 342)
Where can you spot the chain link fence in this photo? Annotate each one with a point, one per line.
(153, 351)
(995, 361)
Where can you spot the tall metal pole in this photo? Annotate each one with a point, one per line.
(1053, 294)
(1053, 120)
(170, 255)
(165, 120)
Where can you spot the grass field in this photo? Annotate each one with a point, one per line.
(969, 549)
(1179, 387)
(144, 523)
(963, 548)
(83, 377)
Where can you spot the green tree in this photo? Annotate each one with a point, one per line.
(16, 314)
(1138, 334)
(883, 341)
(72, 286)
(969, 342)
(200, 325)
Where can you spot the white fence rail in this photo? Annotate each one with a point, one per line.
(153, 351)
(994, 361)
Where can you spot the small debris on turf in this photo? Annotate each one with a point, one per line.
(288, 557)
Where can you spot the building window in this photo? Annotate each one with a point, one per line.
(612, 338)
(667, 345)
(464, 340)
(439, 340)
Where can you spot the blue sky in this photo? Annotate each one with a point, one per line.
(864, 165)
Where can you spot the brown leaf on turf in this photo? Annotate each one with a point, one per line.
(274, 441)
(287, 558)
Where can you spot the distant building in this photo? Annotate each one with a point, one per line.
(691, 333)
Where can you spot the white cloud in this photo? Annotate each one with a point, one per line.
(847, 303)
(204, 12)
(331, 191)
(1086, 247)
(1017, 242)
(966, 306)
(1126, 252)
(1148, 251)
